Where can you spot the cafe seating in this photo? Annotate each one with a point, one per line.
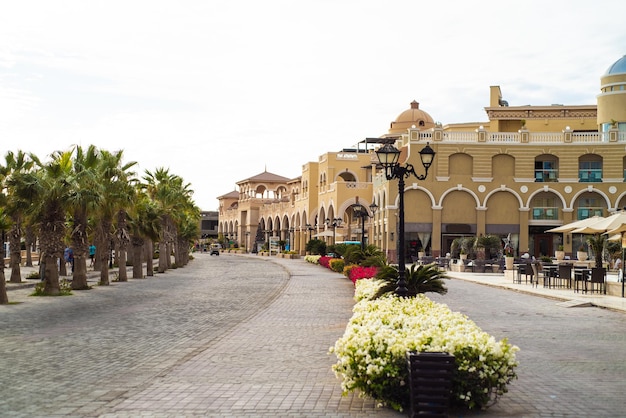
(526, 270)
(581, 276)
(596, 281)
(564, 275)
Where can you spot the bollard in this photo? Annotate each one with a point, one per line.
(430, 383)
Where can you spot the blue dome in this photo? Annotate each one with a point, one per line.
(618, 67)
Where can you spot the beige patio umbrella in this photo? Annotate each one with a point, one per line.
(567, 228)
(603, 225)
(328, 233)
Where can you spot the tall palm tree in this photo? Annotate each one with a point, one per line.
(113, 176)
(145, 228)
(49, 190)
(16, 165)
(171, 196)
(4, 225)
(84, 197)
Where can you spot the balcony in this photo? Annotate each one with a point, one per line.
(546, 175)
(587, 212)
(593, 175)
(545, 213)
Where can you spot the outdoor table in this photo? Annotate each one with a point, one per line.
(549, 275)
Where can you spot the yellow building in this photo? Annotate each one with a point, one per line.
(525, 170)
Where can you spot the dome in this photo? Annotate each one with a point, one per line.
(413, 116)
(618, 67)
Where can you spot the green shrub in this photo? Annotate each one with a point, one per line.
(65, 288)
(337, 265)
(316, 246)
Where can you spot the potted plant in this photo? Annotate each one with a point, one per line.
(559, 254)
(581, 254)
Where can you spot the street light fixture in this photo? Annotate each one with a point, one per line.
(388, 156)
(361, 212)
(334, 223)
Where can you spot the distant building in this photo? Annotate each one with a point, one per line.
(523, 171)
(209, 221)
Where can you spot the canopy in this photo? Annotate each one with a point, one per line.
(603, 225)
(328, 234)
(567, 228)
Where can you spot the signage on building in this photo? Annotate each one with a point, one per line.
(346, 156)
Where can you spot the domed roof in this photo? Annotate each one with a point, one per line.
(618, 67)
(412, 116)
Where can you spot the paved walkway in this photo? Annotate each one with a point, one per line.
(246, 336)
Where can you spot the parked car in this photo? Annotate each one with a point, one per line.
(215, 249)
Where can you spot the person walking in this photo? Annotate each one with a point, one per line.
(92, 253)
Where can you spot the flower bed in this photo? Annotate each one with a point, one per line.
(371, 355)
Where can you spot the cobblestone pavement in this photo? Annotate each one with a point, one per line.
(226, 336)
(238, 336)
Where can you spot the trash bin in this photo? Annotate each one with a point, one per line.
(430, 383)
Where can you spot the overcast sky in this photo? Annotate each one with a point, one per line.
(218, 91)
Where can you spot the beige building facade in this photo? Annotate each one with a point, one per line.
(525, 170)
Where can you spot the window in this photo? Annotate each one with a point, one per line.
(546, 169)
(590, 171)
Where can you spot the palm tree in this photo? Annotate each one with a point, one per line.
(16, 165)
(145, 227)
(114, 177)
(85, 196)
(4, 225)
(172, 197)
(48, 189)
(597, 243)
(420, 279)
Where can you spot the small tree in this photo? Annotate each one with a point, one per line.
(316, 246)
(597, 243)
(419, 279)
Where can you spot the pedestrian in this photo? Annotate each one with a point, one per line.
(92, 253)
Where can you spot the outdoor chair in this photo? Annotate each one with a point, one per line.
(565, 275)
(536, 269)
(597, 280)
(526, 270)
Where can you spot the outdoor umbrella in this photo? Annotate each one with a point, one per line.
(603, 225)
(328, 234)
(567, 228)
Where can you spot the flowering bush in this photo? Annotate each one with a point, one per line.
(367, 289)
(371, 355)
(324, 261)
(360, 272)
(336, 264)
(314, 259)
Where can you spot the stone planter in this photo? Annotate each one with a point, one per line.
(508, 262)
(581, 255)
(559, 255)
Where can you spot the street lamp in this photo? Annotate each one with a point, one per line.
(388, 156)
(310, 228)
(361, 212)
(334, 223)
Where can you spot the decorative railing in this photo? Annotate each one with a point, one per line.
(525, 137)
(545, 213)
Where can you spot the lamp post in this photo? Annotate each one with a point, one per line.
(246, 243)
(334, 223)
(361, 212)
(388, 156)
(310, 228)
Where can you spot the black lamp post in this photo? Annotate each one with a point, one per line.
(334, 223)
(310, 228)
(388, 156)
(361, 212)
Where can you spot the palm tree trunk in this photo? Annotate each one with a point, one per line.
(163, 256)
(80, 247)
(29, 245)
(121, 260)
(149, 247)
(106, 244)
(16, 254)
(137, 245)
(51, 275)
(4, 298)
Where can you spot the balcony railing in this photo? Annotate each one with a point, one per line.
(545, 213)
(546, 175)
(529, 136)
(584, 213)
(593, 175)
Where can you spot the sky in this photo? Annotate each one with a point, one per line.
(219, 91)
